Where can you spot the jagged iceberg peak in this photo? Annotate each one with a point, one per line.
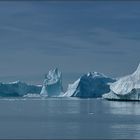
(52, 85)
(53, 76)
(127, 83)
(92, 84)
(95, 74)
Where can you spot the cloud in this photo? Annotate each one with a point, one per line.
(76, 37)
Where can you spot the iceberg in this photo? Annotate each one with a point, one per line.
(125, 88)
(90, 85)
(52, 85)
(18, 88)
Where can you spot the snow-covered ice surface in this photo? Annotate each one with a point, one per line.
(93, 84)
(71, 89)
(52, 85)
(18, 88)
(126, 88)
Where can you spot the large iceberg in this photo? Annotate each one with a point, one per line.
(126, 88)
(52, 85)
(91, 85)
(18, 88)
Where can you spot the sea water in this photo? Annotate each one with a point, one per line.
(68, 118)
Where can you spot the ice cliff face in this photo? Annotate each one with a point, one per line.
(89, 85)
(126, 88)
(18, 89)
(52, 85)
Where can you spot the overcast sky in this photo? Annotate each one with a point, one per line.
(76, 37)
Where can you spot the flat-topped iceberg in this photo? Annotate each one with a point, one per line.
(126, 88)
(52, 85)
(18, 88)
(91, 85)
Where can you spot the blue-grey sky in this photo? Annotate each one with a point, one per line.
(76, 37)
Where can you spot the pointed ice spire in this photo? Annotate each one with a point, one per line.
(52, 85)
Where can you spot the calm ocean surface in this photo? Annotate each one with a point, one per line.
(68, 118)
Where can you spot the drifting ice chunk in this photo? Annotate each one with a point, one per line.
(52, 85)
(126, 88)
(18, 89)
(89, 85)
